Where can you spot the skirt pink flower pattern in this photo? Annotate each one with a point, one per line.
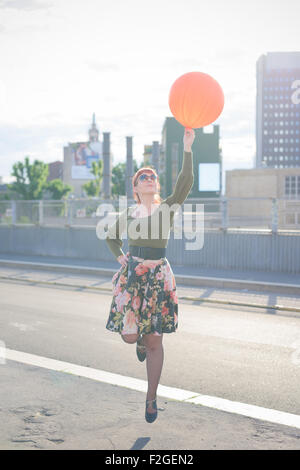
(144, 299)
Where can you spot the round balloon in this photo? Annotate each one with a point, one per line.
(196, 99)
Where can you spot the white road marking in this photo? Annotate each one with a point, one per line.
(186, 396)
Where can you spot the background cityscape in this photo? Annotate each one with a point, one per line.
(84, 89)
(121, 65)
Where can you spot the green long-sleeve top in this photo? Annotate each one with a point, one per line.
(157, 232)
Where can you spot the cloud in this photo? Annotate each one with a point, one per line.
(100, 66)
(27, 5)
(43, 143)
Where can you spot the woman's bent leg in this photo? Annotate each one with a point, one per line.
(130, 338)
(154, 363)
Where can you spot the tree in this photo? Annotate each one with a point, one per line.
(8, 195)
(119, 178)
(92, 188)
(31, 179)
(58, 189)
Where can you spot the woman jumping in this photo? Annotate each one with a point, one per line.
(144, 303)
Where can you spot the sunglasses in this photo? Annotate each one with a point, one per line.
(145, 176)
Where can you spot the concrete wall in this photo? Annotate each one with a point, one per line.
(262, 183)
(258, 251)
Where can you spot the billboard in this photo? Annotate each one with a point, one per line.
(209, 177)
(83, 154)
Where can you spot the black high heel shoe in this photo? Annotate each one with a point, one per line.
(150, 417)
(140, 350)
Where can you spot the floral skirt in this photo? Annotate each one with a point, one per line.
(144, 299)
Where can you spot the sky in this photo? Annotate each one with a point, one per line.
(63, 60)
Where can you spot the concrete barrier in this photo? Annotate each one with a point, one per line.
(239, 250)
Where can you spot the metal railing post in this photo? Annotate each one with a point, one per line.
(70, 212)
(224, 212)
(274, 215)
(41, 212)
(13, 212)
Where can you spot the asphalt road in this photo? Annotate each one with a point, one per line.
(240, 354)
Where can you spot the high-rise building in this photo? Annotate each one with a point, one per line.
(278, 110)
(207, 161)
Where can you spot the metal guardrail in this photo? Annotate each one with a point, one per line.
(219, 213)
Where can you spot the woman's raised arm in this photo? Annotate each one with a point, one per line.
(185, 179)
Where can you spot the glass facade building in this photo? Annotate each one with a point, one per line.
(278, 110)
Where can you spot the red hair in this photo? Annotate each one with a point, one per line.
(135, 177)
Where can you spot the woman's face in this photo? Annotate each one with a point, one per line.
(147, 186)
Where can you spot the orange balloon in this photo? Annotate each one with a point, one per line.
(196, 99)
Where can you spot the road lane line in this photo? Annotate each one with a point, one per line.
(186, 396)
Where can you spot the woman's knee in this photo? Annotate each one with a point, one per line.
(131, 338)
(153, 341)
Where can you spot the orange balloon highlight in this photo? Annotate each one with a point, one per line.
(196, 99)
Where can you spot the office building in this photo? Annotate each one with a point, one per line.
(207, 161)
(278, 110)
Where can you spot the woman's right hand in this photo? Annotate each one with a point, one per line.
(188, 139)
(123, 259)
